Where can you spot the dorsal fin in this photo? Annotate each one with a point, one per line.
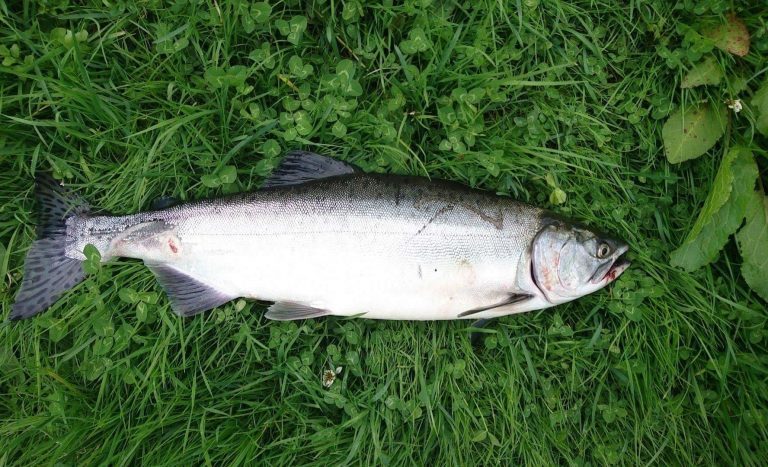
(302, 166)
(163, 202)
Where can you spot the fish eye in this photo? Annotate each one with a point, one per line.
(603, 250)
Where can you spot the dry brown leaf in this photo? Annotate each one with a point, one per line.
(732, 37)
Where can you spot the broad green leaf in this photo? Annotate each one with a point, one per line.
(122, 337)
(345, 70)
(103, 346)
(760, 102)
(102, 325)
(305, 89)
(148, 297)
(215, 77)
(753, 245)
(419, 38)
(91, 253)
(295, 64)
(290, 104)
(260, 12)
(180, 44)
(474, 95)
(353, 88)
(58, 330)
(303, 122)
(165, 43)
(408, 47)
(228, 174)
(290, 134)
(94, 368)
(352, 11)
(283, 26)
(458, 94)
(491, 162)
(271, 148)
(128, 295)
(447, 116)
(263, 55)
(298, 24)
(234, 76)
(723, 211)
(298, 68)
(142, 312)
(480, 436)
(92, 263)
(691, 132)
(296, 27)
(286, 119)
(211, 181)
(309, 105)
(550, 179)
(417, 42)
(249, 24)
(558, 196)
(339, 130)
(237, 75)
(719, 193)
(254, 110)
(706, 72)
(57, 34)
(732, 37)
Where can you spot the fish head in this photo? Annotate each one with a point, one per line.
(568, 261)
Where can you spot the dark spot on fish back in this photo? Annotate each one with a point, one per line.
(439, 212)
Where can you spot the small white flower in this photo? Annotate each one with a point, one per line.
(735, 105)
(329, 376)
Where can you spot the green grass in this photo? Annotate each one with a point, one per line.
(664, 367)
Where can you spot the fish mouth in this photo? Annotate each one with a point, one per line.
(618, 267)
(612, 270)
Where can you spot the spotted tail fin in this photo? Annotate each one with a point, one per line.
(48, 272)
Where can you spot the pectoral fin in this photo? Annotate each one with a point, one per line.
(513, 298)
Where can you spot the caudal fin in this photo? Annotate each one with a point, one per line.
(48, 272)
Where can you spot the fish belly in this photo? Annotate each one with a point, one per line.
(384, 276)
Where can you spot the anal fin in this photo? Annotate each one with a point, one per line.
(188, 296)
(289, 311)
